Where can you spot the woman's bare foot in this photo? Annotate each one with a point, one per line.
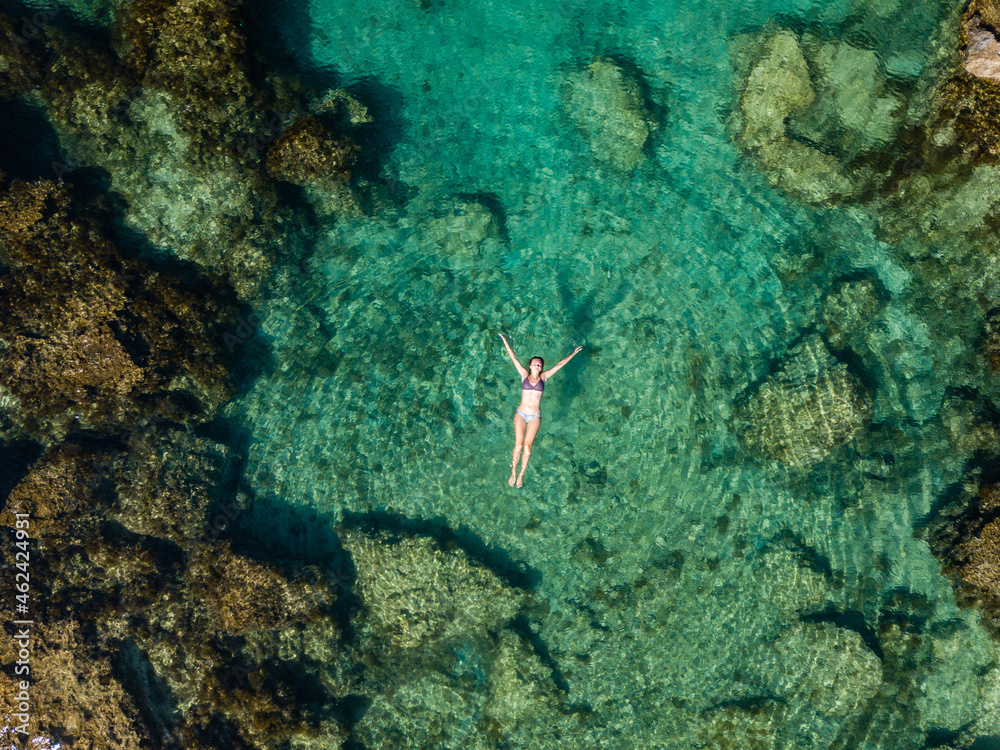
(511, 480)
(519, 479)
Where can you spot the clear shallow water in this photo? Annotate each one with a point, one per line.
(687, 592)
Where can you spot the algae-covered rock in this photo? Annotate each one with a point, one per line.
(847, 311)
(197, 203)
(416, 593)
(192, 48)
(990, 342)
(754, 728)
(802, 171)
(965, 536)
(952, 698)
(164, 483)
(607, 105)
(89, 335)
(811, 406)
(818, 676)
(505, 697)
(443, 667)
(244, 594)
(827, 666)
(979, 554)
(424, 712)
(521, 693)
(173, 120)
(309, 155)
(215, 640)
(343, 104)
(461, 228)
(54, 493)
(855, 113)
(970, 102)
(75, 692)
(778, 87)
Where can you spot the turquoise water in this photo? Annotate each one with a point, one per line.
(775, 247)
(683, 589)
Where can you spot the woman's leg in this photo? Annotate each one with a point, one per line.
(529, 438)
(518, 442)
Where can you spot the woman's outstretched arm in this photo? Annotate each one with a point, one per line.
(518, 365)
(553, 370)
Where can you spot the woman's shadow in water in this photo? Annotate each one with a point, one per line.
(582, 314)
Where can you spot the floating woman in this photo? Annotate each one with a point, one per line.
(527, 416)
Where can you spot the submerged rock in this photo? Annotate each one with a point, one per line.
(978, 554)
(215, 640)
(802, 171)
(309, 155)
(55, 493)
(606, 103)
(461, 228)
(416, 594)
(778, 87)
(165, 482)
(171, 115)
(966, 538)
(76, 697)
(194, 49)
(853, 112)
(827, 666)
(243, 594)
(848, 311)
(443, 667)
(89, 335)
(990, 343)
(810, 407)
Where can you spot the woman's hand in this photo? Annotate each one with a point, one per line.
(503, 337)
(577, 350)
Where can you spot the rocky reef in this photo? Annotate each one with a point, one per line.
(823, 674)
(155, 631)
(124, 611)
(93, 340)
(462, 229)
(972, 99)
(444, 668)
(74, 688)
(170, 113)
(832, 119)
(811, 406)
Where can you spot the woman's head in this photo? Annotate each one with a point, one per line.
(536, 365)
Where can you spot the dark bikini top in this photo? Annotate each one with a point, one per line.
(526, 386)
